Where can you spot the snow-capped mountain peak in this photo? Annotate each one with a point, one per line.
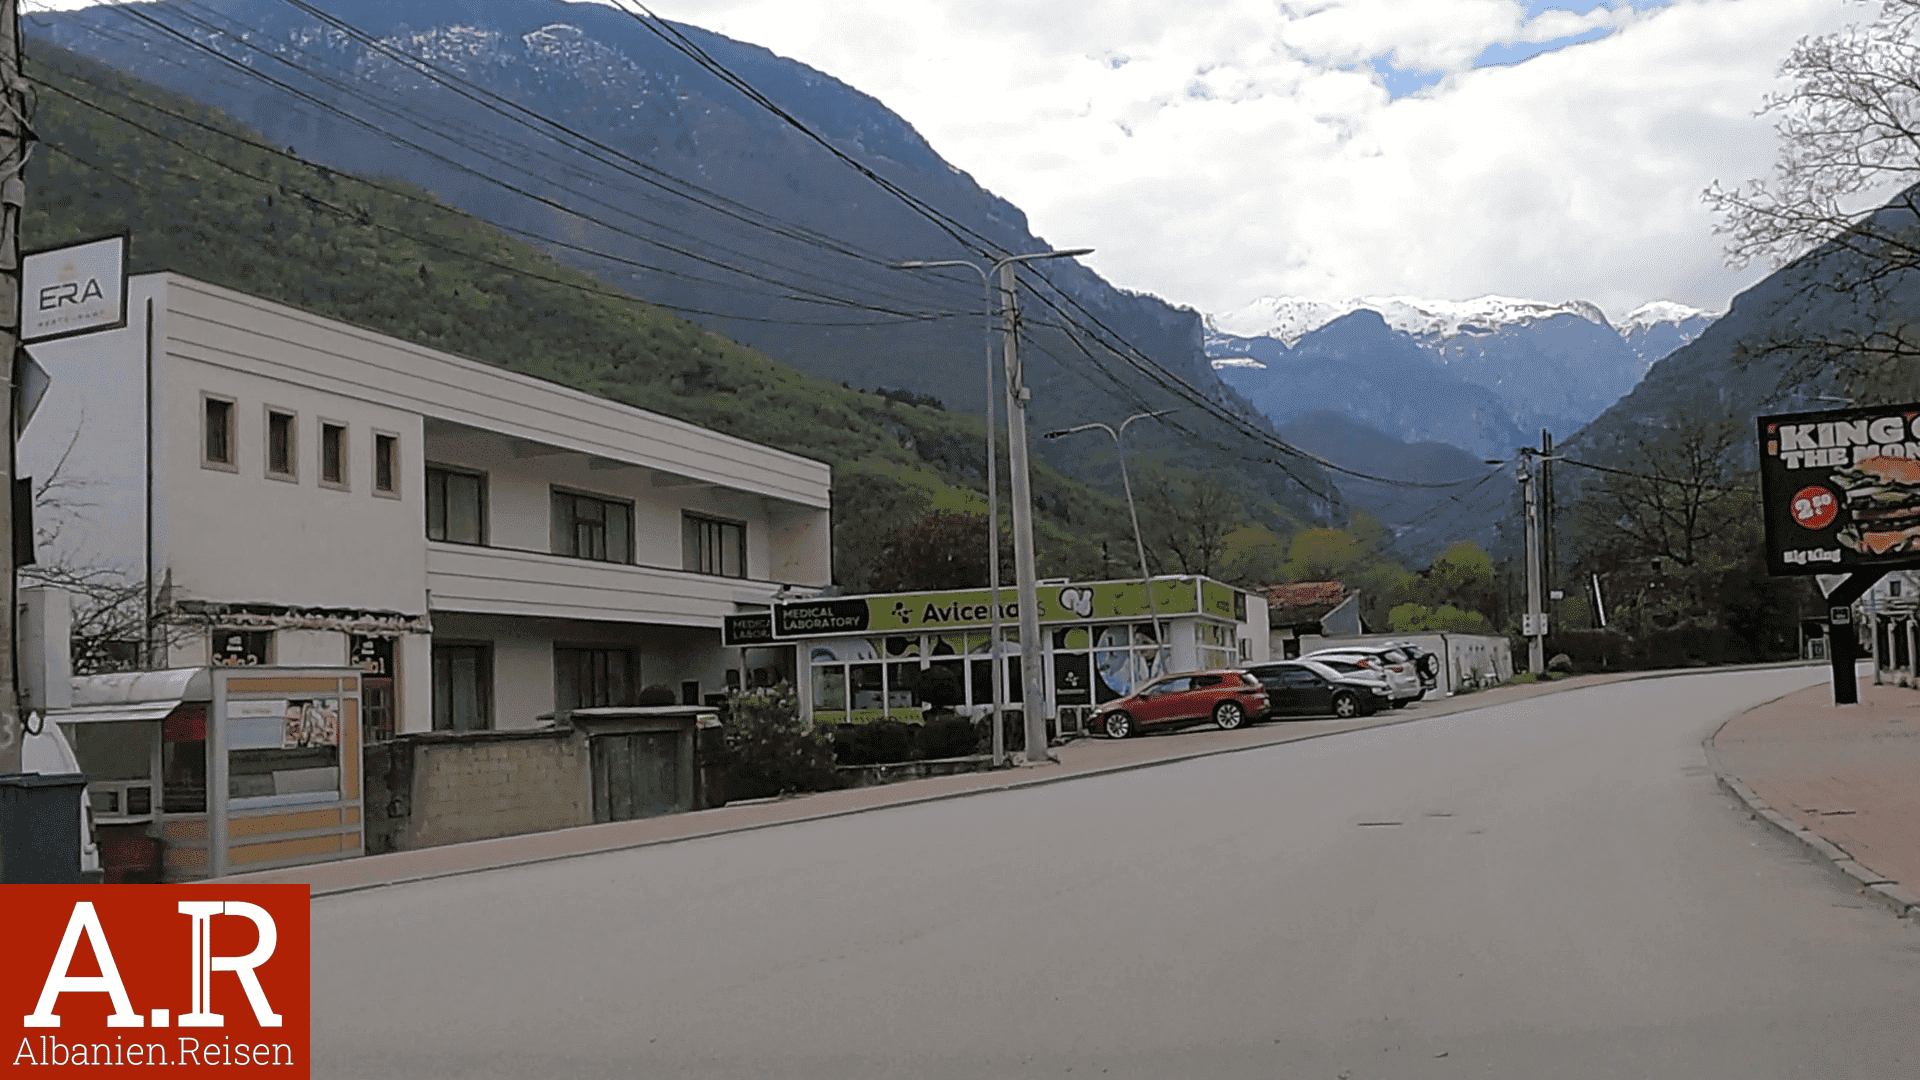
(1661, 311)
(1289, 318)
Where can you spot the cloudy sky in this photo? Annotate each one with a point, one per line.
(1218, 151)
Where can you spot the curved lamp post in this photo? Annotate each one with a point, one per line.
(1139, 546)
(1031, 658)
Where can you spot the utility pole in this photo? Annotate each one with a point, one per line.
(14, 136)
(1033, 675)
(1533, 623)
(1548, 550)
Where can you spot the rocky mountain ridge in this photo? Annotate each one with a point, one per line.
(1485, 374)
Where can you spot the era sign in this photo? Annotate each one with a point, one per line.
(73, 290)
(97, 976)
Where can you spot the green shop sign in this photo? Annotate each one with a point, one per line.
(900, 612)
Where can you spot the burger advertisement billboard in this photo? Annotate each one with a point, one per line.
(1840, 490)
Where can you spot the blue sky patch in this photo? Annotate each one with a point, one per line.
(1494, 55)
(1401, 83)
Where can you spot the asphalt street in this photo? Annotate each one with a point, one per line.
(1549, 888)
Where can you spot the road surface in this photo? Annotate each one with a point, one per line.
(1551, 888)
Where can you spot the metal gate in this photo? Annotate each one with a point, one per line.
(637, 775)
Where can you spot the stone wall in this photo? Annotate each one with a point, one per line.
(433, 788)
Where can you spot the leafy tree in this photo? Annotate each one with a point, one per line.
(1462, 578)
(1419, 618)
(942, 549)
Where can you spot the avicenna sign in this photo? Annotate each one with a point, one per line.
(1840, 490)
(76, 289)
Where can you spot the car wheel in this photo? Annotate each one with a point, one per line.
(1401, 703)
(1346, 706)
(1228, 715)
(1117, 725)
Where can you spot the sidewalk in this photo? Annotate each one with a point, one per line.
(1845, 780)
(1077, 759)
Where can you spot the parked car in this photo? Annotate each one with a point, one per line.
(1230, 698)
(1392, 663)
(1312, 688)
(1425, 664)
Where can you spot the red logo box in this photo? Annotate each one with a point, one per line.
(188, 979)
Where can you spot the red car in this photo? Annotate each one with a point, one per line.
(1228, 697)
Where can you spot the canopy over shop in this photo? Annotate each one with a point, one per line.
(895, 655)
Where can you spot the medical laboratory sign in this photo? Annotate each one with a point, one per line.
(1840, 490)
(167, 980)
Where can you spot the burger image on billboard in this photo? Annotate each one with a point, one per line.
(1883, 505)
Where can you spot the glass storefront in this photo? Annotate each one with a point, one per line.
(898, 676)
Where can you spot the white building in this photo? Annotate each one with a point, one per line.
(302, 491)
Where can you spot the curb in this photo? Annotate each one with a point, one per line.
(1874, 886)
(1539, 690)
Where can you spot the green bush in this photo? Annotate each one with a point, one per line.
(657, 694)
(770, 749)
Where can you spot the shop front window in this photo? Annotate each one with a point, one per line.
(283, 751)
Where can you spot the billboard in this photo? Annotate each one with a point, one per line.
(1840, 489)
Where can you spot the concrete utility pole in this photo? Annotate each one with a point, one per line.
(1533, 623)
(1035, 694)
(14, 136)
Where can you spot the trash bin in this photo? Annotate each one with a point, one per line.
(40, 828)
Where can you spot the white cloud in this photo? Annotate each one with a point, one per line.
(1215, 151)
(1218, 151)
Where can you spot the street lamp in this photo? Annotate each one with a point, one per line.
(1032, 659)
(1139, 546)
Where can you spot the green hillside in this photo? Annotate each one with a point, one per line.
(200, 197)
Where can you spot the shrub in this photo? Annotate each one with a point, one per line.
(1561, 664)
(657, 694)
(770, 750)
(949, 736)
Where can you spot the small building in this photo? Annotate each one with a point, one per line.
(874, 657)
(1301, 608)
(198, 772)
(487, 547)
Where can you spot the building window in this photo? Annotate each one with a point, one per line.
(456, 506)
(711, 546)
(386, 464)
(586, 527)
(333, 455)
(217, 446)
(281, 437)
(592, 678)
(462, 688)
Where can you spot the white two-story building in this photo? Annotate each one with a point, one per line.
(489, 547)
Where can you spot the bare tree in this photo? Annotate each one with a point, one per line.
(1186, 517)
(112, 628)
(1666, 524)
(1842, 202)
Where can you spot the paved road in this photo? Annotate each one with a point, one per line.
(1551, 888)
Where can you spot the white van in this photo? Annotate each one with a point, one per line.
(47, 752)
